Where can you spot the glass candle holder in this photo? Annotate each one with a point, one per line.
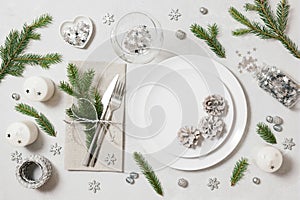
(137, 38)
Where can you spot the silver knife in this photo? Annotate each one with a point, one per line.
(105, 102)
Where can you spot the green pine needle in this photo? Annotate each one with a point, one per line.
(238, 171)
(274, 24)
(40, 118)
(265, 133)
(148, 172)
(80, 87)
(210, 37)
(12, 53)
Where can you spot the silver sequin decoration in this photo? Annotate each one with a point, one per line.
(137, 40)
(277, 127)
(256, 180)
(279, 85)
(277, 120)
(133, 175)
(130, 180)
(269, 119)
(15, 96)
(203, 10)
(181, 35)
(183, 183)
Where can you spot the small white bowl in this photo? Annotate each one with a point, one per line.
(68, 24)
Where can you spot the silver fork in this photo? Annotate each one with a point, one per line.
(115, 104)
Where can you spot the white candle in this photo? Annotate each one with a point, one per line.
(37, 88)
(22, 133)
(269, 159)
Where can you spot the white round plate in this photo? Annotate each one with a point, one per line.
(177, 88)
(215, 68)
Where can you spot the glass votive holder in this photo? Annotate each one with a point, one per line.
(137, 37)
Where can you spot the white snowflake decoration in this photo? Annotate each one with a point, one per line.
(174, 14)
(94, 186)
(288, 143)
(55, 149)
(213, 183)
(110, 159)
(108, 19)
(16, 156)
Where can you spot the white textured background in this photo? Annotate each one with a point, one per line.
(73, 185)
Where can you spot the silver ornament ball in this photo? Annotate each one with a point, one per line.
(203, 10)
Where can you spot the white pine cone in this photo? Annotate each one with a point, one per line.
(214, 105)
(211, 126)
(189, 136)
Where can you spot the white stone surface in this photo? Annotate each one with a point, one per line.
(283, 184)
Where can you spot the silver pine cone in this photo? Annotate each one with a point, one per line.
(214, 105)
(189, 136)
(211, 126)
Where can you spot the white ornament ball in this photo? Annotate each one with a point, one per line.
(37, 88)
(269, 159)
(22, 133)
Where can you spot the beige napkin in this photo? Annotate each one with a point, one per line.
(111, 154)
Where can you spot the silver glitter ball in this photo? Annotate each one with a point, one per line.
(277, 127)
(133, 175)
(129, 180)
(277, 120)
(181, 35)
(269, 119)
(256, 180)
(15, 96)
(183, 183)
(203, 10)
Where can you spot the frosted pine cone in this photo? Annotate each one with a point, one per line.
(214, 105)
(211, 126)
(189, 136)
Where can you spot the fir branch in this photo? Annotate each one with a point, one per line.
(40, 118)
(265, 133)
(210, 37)
(273, 27)
(148, 172)
(80, 87)
(238, 171)
(12, 53)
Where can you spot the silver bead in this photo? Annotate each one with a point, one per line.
(129, 180)
(269, 119)
(277, 120)
(203, 10)
(256, 180)
(183, 182)
(277, 128)
(133, 175)
(15, 96)
(181, 35)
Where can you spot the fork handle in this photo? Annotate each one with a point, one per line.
(102, 134)
(88, 156)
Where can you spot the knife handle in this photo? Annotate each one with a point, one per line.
(88, 156)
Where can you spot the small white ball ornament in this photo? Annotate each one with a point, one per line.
(269, 159)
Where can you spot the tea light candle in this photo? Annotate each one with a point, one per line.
(22, 133)
(269, 159)
(37, 88)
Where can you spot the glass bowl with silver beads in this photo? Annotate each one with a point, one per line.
(137, 37)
